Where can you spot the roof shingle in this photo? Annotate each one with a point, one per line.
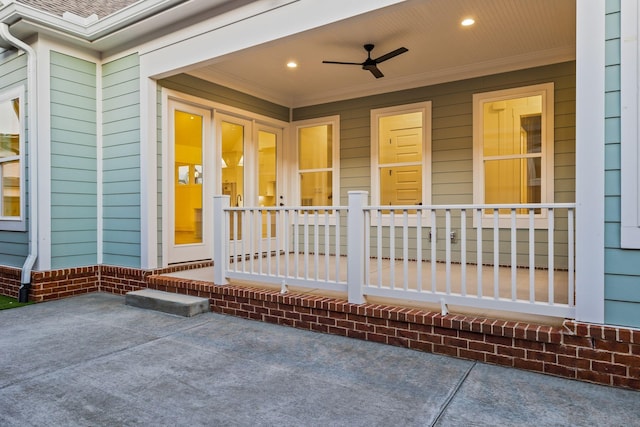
(83, 8)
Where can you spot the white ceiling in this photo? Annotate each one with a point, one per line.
(508, 35)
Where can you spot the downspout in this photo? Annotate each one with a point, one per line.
(27, 267)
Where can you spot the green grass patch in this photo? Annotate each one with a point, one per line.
(8, 302)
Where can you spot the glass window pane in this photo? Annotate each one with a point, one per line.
(10, 173)
(188, 192)
(233, 158)
(10, 128)
(400, 139)
(315, 147)
(267, 180)
(513, 181)
(401, 185)
(316, 189)
(513, 126)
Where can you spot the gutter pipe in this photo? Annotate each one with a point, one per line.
(32, 96)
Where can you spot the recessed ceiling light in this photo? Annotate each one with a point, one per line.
(467, 22)
(292, 64)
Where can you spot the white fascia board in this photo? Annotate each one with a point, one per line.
(251, 25)
(630, 137)
(590, 138)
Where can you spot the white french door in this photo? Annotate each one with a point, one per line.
(189, 179)
(250, 174)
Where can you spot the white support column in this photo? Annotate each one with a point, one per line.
(590, 133)
(355, 246)
(220, 239)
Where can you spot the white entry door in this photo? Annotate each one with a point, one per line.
(189, 187)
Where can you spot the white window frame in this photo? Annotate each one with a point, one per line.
(376, 115)
(334, 121)
(17, 223)
(547, 150)
(629, 116)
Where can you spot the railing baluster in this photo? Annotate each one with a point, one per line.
(392, 250)
(243, 215)
(532, 256)
(570, 254)
(514, 253)
(326, 245)
(550, 258)
(287, 240)
(496, 254)
(305, 237)
(268, 212)
(316, 244)
(405, 248)
(233, 217)
(463, 252)
(252, 251)
(379, 247)
(367, 248)
(447, 239)
(336, 213)
(296, 243)
(479, 250)
(419, 250)
(434, 260)
(278, 239)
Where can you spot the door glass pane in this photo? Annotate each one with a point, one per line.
(233, 169)
(188, 178)
(267, 179)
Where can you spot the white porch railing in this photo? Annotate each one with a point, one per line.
(504, 257)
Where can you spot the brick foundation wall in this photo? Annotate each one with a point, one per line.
(599, 354)
(10, 281)
(56, 284)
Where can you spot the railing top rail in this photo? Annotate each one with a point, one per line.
(411, 207)
(287, 208)
(475, 206)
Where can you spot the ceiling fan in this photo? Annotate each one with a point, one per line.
(371, 64)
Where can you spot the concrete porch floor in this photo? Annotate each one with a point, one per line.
(382, 271)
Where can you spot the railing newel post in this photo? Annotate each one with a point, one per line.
(220, 238)
(355, 243)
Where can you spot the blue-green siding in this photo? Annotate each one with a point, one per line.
(121, 162)
(622, 266)
(73, 162)
(14, 246)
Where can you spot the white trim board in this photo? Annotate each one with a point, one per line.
(630, 114)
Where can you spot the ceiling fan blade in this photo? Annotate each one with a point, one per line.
(390, 55)
(343, 63)
(374, 70)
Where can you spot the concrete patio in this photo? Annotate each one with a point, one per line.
(91, 360)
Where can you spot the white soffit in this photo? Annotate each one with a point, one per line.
(508, 35)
